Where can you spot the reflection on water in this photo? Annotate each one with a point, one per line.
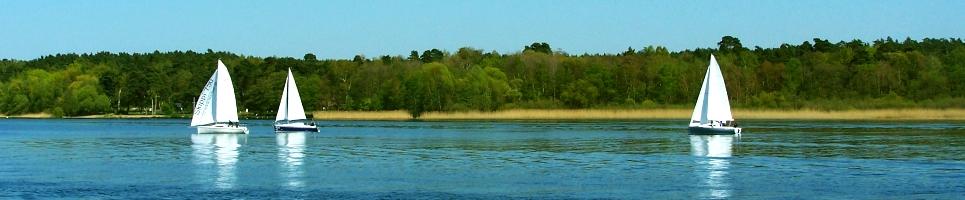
(220, 151)
(153, 158)
(713, 164)
(291, 155)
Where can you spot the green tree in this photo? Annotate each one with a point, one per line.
(579, 94)
(428, 89)
(83, 98)
(541, 47)
(432, 55)
(816, 74)
(413, 55)
(729, 44)
(309, 57)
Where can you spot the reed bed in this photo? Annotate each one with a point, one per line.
(875, 114)
(113, 116)
(28, 115)
(561, 114)
(630, 114)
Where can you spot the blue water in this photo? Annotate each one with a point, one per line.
(123, 159)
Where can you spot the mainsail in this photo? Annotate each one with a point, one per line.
(290, 107)
(712, 102)
(217, 100)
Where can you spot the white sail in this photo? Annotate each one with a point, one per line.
(226, 109)
(700, 114)
(718, 105)
(217, 100)
(290, 107)
(712, 103)
(204, 108)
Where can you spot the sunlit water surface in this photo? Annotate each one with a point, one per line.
(482, 160)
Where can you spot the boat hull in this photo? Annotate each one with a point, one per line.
(715, 130)
(219, 129)
(295, 127)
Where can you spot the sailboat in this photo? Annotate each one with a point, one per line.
(712, 113)
(291, 114)
(216, 111)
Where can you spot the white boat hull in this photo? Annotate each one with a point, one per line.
(706, 129)
(221, 128)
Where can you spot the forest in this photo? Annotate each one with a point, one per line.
(817, 74)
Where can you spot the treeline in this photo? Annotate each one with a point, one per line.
(817, 74)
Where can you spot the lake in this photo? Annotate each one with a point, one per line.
(656, 159)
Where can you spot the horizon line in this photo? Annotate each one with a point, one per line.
(520, 50)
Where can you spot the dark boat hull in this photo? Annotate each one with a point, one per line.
(296, 129)
(699, 130)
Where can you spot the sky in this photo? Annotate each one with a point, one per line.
(343, 29)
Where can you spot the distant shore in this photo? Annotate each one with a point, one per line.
(631, 114)
(596, 114)
(103, 116)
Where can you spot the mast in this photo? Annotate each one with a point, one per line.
(214, 95)
(287, 95)
(706, 102)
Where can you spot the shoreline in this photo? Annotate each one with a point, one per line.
(101, 116)
(638, 114)
(915, 114)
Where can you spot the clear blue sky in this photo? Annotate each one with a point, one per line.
(30, 29)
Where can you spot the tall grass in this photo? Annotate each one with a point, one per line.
(521, 114)
(28, 115)
(662, 113)
(871, 114)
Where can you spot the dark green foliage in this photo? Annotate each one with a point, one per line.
(413, 55)
(82, 97)
(817, 74)
(580, 94)
(729, 44)
(432, 55)
(429, 88)
(65, 92)
(309, 57)
(541, 47)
